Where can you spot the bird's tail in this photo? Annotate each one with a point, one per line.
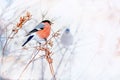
(28, 40)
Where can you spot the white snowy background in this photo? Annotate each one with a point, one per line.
(94, 55)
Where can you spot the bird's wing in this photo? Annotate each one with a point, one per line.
(34, 30)
(37, 28)
(40, 26)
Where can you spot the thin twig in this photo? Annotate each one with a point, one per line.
(3, 50)
(61, 60)
(52, 71)
(49, 59)
(28, 65)
(19, 25)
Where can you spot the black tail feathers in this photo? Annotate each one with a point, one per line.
(29, 38)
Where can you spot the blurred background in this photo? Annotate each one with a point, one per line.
(93, 55)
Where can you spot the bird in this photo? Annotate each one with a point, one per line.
(66, 38)
(40, 33)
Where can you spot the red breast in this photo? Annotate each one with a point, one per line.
(45, 32)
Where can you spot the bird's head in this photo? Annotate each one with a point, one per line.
(47, 21)
(67, 30)
(42, 25)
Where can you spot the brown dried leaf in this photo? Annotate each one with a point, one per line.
(28, 15)
(50, 43)
(17, 24)
(21, 19)
(50, 60)
(15, 30)
(56, 34)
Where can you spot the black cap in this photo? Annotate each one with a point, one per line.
(67, 30)
(47, 21)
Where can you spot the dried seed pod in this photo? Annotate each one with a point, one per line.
(15, 30)
(56, 34)
(23, 20)
(50, 60)
(28, 15)
(50, 43)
